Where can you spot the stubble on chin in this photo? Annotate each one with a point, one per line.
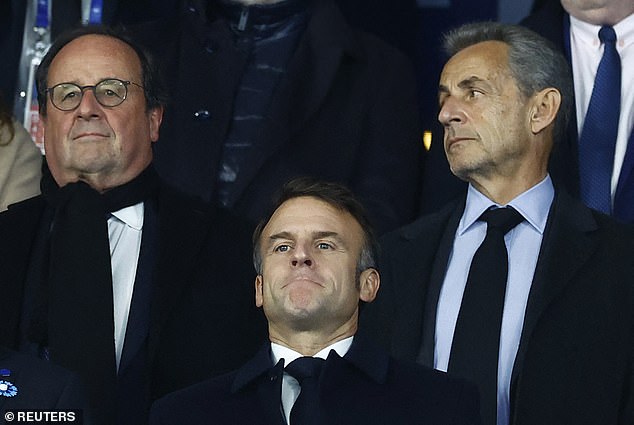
(472, 171)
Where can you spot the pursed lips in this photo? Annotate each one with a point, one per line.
(88, 135)
(298, 279)
(456, 139)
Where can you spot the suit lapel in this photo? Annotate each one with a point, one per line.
(426, 354)
(269, 392)
(182, 231)
(566, 247)
(417, 267)
(139, 316)
(264, 380)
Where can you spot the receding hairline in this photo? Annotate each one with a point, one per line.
(112, 38)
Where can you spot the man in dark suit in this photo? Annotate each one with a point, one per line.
(29, 383)
(111, 273)
(264, 91)
(573, 26)
(315, 257)
(563, 347)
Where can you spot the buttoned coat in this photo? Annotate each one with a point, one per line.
(345, 110)
(192, 315)
(576, 354)
(365, 387)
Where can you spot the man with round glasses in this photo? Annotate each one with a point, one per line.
(111, 273)
(108, 92)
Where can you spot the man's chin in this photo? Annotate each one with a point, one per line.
(303, 318)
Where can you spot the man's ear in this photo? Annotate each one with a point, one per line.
(258, 290)
(369, 282)
(156, 118)
(544, 109)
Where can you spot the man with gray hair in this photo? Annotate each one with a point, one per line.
(516, 286)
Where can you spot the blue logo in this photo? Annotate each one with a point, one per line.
(7, 389)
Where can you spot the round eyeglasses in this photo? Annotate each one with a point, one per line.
(110, 92)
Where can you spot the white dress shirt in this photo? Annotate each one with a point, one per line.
(586, 51)
(523, 244)
(124, 233)
(290, 386)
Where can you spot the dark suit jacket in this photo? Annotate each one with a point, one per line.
(40, 385)
(364, 387)
(346, 110)
(197, 292)
(575, 360)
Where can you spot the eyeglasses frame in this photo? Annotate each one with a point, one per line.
(93, 88)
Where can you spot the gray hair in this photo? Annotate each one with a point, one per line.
(534, 62)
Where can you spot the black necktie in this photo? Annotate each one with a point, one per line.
(306, 410)
(600, 128)
(476, 339)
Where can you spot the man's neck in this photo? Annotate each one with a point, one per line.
(308, 343)
(610, 14)
(502, 192)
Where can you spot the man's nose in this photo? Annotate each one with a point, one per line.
(301, 257)
(451, 112)
(88, 106)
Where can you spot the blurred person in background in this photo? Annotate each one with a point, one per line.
(20, 161)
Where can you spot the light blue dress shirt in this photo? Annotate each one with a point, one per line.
(523, 245)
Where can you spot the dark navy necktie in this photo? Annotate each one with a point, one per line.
(306, 409)
(476, 339)
(600, 127)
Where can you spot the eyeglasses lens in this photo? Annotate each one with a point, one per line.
(68, 96)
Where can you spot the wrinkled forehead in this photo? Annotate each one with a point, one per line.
(482, 67)
(485, 57)
(311, 216)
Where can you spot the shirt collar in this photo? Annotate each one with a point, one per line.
(131, 216)
(533, 205)
(280, 352)
(589, 33)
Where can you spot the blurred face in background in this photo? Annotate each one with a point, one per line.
(599, 12)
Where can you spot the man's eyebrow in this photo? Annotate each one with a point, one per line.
(466, 83)
(469, 82)
(280, 235)
(327, 234)
(315, 235)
